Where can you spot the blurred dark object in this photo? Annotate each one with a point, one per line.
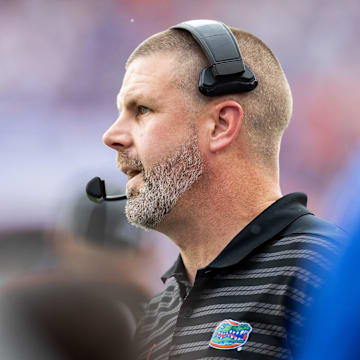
(22, 249)
(99, 224)
(66, 320)
(95, 241)
(25, 252)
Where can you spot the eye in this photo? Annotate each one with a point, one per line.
(142, 110)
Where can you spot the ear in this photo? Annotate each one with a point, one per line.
(226, 123)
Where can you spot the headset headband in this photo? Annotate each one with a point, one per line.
(227, 73)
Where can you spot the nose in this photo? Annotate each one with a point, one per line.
(118, 136)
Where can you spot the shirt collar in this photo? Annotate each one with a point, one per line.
(264, 227)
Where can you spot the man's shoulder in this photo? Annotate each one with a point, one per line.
(307, 250)
(312, 226)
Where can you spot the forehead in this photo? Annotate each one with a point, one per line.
(150, 76)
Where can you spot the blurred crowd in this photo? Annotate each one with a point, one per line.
(61, 67)
(62, 63)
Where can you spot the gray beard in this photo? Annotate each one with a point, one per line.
(163, 185)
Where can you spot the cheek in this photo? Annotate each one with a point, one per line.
(156, 143)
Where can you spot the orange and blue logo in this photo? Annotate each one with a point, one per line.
(230, 334)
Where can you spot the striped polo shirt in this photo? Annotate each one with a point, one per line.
(250, 301)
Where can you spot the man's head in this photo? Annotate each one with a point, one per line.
(267, 109)
(168, 134)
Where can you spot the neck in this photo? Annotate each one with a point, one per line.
(217, 214)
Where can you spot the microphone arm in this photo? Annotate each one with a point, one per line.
(95, 191)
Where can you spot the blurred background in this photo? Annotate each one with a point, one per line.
(61, 66)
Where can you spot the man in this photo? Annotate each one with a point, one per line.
(205, 172)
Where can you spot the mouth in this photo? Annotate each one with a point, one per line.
(135, 182)
(130, 172)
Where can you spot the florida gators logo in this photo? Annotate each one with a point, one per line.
(230, 334)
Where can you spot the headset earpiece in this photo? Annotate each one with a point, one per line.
(227, 73)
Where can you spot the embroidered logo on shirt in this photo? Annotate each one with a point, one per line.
(230, 334)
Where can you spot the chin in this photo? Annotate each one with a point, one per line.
(150, 215)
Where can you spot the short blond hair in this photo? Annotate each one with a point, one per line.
(267, 109)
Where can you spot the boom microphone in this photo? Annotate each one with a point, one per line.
(95, 191)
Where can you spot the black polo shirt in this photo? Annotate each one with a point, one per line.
(249, 302)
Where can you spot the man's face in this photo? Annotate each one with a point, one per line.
(156, 143)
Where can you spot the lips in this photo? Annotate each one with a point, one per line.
(134, 184)
(130, 172)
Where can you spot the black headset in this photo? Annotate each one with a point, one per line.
(226, 74)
